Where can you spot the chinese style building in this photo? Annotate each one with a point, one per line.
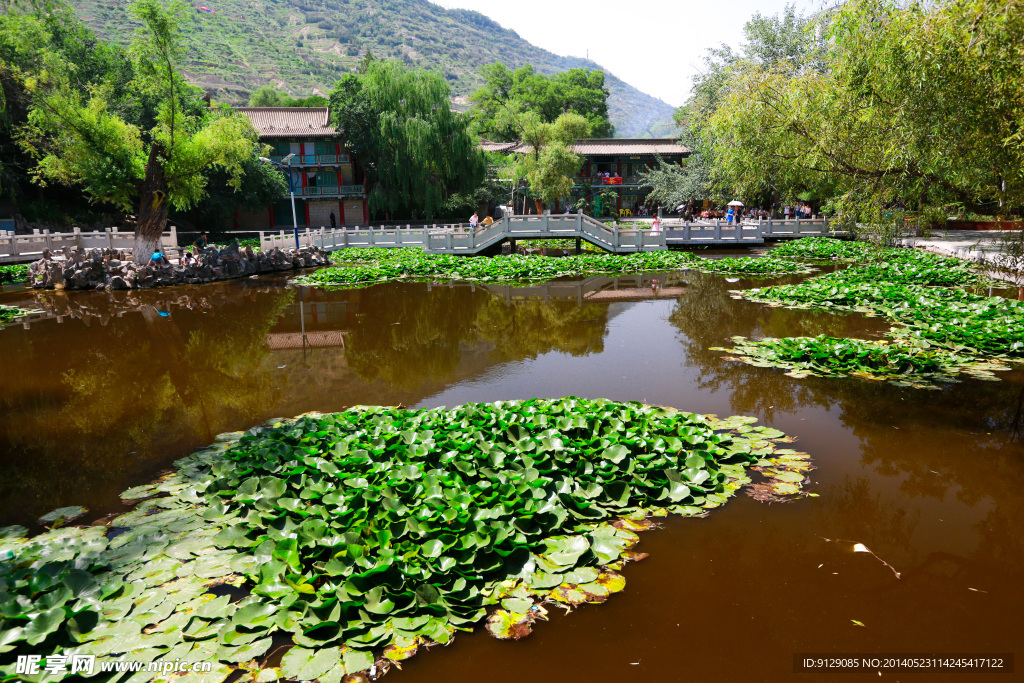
(324, 174)
(610, 177)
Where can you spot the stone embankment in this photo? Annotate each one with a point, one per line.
(114, 269)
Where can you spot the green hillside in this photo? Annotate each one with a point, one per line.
(304, 46)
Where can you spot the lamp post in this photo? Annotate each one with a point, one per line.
(291, 190)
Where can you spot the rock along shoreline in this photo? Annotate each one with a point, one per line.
(114, 269)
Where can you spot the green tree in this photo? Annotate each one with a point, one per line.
(260, 185)
(80, 139)
(416, 152)
(269, 96)
(28, 33)
(918, 108)
(581, 91)
(788, 43)
(688, 183)
(549, 164)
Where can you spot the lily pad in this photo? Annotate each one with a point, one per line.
(62, 516)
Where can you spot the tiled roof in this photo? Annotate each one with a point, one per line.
(281, 122)
(629, 146)
(602, 147)
(489, 146)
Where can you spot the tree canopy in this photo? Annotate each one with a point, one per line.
(876, 107)
(415, 151)
(506, 94)
(269, 96)
(549, 164)
(79, 136)
(35, 34)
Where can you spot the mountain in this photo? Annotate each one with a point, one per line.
(304, 46)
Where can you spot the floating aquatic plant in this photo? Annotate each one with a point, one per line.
(821, 356)
(987, 327)
(9, 313)
(365, 535)
(382, 265)
(764, 266)
(825, 249)
(13, 273)
(371, 265)
(940, 328)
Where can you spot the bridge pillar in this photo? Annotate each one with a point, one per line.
(512, 246)
(579, 245)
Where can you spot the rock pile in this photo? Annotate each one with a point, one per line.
(114, 269)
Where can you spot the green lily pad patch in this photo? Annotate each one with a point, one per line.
(944, 325)
(909, 365)
(361, 267)
(357, 539)
(9, 313)
(62, 516)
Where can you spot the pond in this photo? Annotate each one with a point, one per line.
(101, 391)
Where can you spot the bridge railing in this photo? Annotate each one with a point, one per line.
(456, 238)
(794, 226)
(718, 231)
(15, 248)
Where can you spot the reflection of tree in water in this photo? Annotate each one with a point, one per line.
(850, 507)
(963, 440)
(103, 401)
(411, 334)
(527, 329)
(708, 316)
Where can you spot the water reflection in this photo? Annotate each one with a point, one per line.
(114, 385)
(103, 389)
(92, 405)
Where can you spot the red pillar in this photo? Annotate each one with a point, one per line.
(341, 213)
(366, 213)
(271, 209)
(305, 205)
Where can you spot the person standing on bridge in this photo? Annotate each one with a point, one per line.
(473, 221)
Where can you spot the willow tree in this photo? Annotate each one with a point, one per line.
(919, 108)
(414, 149)
(80, 139)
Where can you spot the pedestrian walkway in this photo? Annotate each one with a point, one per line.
(981, 246)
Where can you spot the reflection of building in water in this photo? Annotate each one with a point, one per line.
(597, 288)
(317, 319)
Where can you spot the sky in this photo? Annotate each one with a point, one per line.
(654, 45)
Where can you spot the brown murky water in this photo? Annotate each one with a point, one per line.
(102, 390)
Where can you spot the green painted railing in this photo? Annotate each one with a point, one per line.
(313, 159)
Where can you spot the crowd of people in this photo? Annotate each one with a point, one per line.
(740, 213)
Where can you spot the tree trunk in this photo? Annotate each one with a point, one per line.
(152, 218)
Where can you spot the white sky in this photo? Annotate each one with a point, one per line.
(654, 45)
